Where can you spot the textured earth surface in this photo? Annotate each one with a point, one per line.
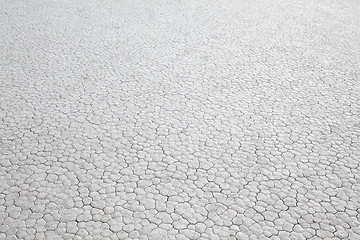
(159, 119)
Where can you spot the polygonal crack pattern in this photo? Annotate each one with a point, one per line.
(179, 119)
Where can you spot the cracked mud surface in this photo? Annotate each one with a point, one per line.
(179, 119)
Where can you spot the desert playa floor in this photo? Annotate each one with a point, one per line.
(165, 119)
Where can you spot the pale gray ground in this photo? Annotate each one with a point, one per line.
(132, 119)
